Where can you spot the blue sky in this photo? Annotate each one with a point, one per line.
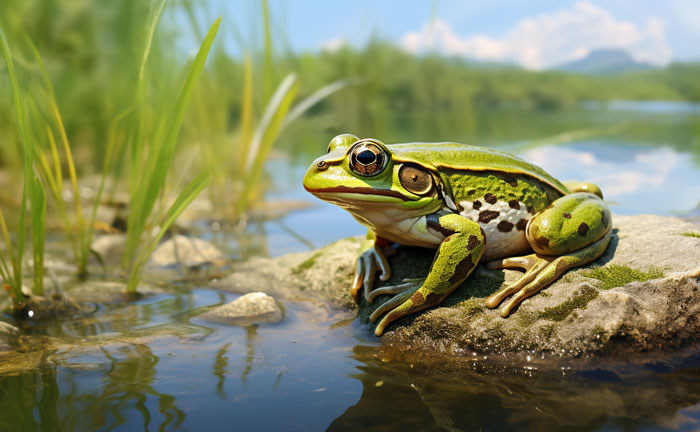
(535, 34)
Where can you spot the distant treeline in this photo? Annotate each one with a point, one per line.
(401, 81)
(92, 53)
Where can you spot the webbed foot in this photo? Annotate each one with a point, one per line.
(367, 265)
(541, 271)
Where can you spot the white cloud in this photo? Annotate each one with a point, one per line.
(548, 39)
(334, 45)
(644, 171)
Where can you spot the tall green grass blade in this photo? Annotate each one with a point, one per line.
(316, 97)
(246, 114)
(268, 72)
(265, 134)
(272, 111)
(184, 199)
(58, 172)
(163, 158)
(55, 190)
(80, 257)
(7, 275)
(156, 13)
(38, 216)
(22, 120)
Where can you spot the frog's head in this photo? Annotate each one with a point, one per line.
(359, 174)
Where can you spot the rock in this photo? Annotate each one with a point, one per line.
(109, 246)
(108, 292)
(253, 308)
(323, 275)
(8, 333)
(644, 296)
(188, 252)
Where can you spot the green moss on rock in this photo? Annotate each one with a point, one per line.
(306, 264)
(691, 234)
(615, 275)
(563, 310)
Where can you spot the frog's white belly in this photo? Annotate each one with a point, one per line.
(399, 226)
(503, 224)
(504, 231)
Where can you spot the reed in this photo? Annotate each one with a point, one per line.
(33, 198)
(151, 158)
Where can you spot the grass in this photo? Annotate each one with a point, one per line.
(691, 234)
(154, 155)
(33, 195)
(53, 178)
(615, 275)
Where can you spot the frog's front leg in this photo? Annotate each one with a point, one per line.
(455, 259)
(370, 260)
(575, 230)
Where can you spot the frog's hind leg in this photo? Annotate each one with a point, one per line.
(541, 272)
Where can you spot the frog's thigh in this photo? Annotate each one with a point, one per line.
(572, 222)
(455, 259)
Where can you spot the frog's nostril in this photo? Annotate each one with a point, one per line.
(322, 165)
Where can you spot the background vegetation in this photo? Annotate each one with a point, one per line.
(112, 89)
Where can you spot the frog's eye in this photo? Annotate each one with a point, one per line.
(415, 180)
(367, 159)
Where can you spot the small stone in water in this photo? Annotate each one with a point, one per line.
(253, 308)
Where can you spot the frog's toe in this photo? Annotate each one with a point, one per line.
(532, 271)
(403, 292)
(366, 267)
(541, 272)
(394, 289)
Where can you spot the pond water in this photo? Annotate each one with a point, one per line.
(152, 364)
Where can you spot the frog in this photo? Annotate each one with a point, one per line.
(472, 204)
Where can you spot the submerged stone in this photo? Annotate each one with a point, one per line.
(187, 252)
(253, 308)
(8, 333)
(642, 298)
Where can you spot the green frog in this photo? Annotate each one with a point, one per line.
(470, 203)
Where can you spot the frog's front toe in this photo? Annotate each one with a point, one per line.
(367, 265)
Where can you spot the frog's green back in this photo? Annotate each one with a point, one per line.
(471, 158)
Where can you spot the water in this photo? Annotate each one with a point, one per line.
(152, 365)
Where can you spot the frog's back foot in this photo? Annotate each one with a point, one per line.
(576, 186)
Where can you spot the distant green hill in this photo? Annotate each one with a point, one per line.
(604, 62)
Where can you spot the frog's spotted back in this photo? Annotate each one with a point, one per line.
(471, 158)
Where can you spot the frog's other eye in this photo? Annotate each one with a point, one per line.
(415, 180)
(367, 159)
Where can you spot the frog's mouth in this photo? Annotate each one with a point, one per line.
(358, 193)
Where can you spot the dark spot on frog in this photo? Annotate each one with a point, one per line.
(582, 229)
(522, 223)
(473, 242)
(513, 183)
(476, 205)
(514, 204)
(530, 209)
(505, 226)
(567, 215)
(487, 216)
(461, 270)
(417, 298)
(433, 222)
(542, 242)
(604, 218)
(490, 198)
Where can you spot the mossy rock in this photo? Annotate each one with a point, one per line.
(639, 296)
